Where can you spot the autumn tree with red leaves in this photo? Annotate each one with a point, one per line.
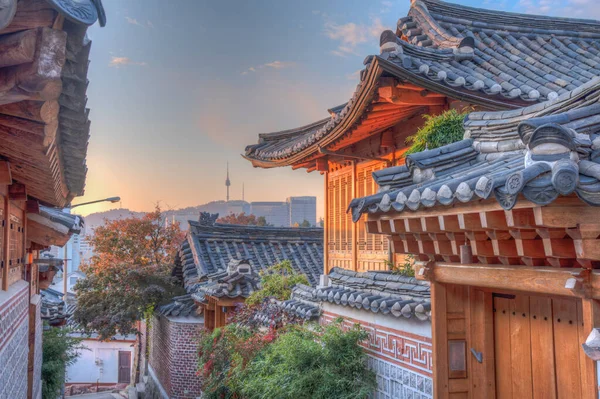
(243, 219)
(129, 274)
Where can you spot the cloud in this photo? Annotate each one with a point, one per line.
(274, 65)
(562, 8)
(150, 24)
(351, 35)
(118, 62)
(133, 21)
(354, 75)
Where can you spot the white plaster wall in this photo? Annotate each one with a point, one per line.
(85, 370)
(412, 325)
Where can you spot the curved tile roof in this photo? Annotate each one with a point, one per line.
(495, 53)
(542, 151)
(212, 250)
(377, 292)
(491, 58)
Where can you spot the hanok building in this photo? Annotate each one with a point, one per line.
(524, 297)
(44, 131)
(218, 265)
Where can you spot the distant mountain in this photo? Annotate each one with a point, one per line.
(182, 216)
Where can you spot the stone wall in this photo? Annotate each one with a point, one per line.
(14, 344)
(36, 306)
(401, 359)
(174, 355)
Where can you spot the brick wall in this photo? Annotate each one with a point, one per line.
(173, 356)
(14, 348)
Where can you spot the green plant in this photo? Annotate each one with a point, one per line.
(277, 282)
(59, 350)
(406, 268)
(316, 363)
(297, 361)
(438, 130)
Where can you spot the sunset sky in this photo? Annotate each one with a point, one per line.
(178, 88)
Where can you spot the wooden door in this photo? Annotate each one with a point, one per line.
(124, 367)
(537, 349)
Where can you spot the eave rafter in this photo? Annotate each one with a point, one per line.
(562, 234)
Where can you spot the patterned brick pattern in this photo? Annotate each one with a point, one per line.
(402, 361)
(14, 348)
(37, 362)
(174, 358)
(397, 382)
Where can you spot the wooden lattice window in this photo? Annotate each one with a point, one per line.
(339, 195)
(367, 186)
(16, 240)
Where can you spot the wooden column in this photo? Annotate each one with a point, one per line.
(6, 243)
(326, 227)
(354, 225)
(589, 318)
(439, 331)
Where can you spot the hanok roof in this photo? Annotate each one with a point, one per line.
(223, 261)
(52, 226)
(542, 151)
(377, 292)
(495, 59)
(44, 126)
(53, 309)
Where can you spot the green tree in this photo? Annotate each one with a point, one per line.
(59, 351)
(277, 282)
(129, 273)
(312, 363)
(438, 130)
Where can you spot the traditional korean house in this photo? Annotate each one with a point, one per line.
(218, 265)
(44, 130)
(443, 56)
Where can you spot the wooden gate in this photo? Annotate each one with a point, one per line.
(537, 350)
(124, 367)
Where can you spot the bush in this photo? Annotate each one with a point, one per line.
(59, 350)
(317, 364)
(277, 282)
(438, 131)
(295, 362)
(406, 268)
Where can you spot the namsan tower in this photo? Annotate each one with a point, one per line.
(227, 182)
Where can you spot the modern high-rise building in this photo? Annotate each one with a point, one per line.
(301, 209)
(276, 213)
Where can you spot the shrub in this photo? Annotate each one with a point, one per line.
(406, 268)
(277, 282)
(296, 362)
(437, 131)
(59, 351)
(317, 364)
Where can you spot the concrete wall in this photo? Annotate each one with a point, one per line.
(100, 363)
(174, 357)
(14, 344)
(399, 350)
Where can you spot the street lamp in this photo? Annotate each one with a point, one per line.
(109, 199)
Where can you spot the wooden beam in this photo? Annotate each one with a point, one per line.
(17, 192)
(6, 243)
(540, 280)
(5, 173)
(37, 111)
(589, 316)
(31, 14)
(565, 217)
(439, 328)
(18, 48)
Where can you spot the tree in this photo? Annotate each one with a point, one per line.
(129, 273)
(277, 282)
(243, 219)
(59, 351)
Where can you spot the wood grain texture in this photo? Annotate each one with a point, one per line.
(542, 348)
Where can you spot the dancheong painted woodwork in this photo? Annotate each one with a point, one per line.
(504, 224)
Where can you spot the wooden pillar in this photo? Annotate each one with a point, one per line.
(354, 225)
(326, 227)
(439, 331)
(589, 318)
(6, 244)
